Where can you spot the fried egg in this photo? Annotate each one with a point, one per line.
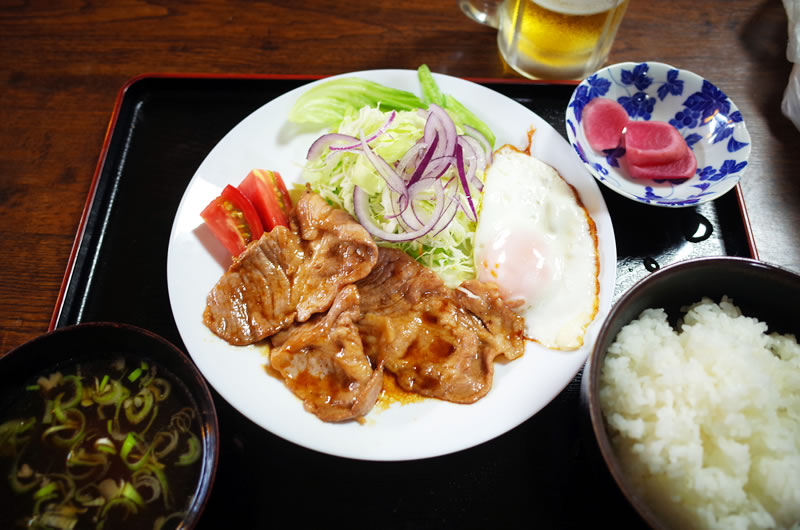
(538, 243)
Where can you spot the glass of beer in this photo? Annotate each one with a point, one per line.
(558, 39)
(483, 11)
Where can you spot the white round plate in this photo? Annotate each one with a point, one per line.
(401, 431)
(708, 120)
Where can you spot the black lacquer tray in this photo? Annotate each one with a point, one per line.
(540, 474)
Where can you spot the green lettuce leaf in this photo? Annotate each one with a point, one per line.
(461, 115)
(429, 87)
(328, 103)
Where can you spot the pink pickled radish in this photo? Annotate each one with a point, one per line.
(603, 122)
(650, 143)
(681, 168)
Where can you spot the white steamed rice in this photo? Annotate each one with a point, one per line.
(706, 421)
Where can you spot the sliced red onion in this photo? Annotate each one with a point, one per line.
(435, 126)
(416, 193)
(472, 132)
(325, 141)
(423, 164)
(411, 158)
(451, 209)
(465, 184)
(470, 166)
(474, 154)
(447, 126)
(328, 140)
(439, 167)
(385, 170)
(439, 149)
(399, 206)
(403, 213)
(361, 206)
(374, 135)
(447, 217)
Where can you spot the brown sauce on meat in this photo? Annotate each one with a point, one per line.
(392, 393)
(434, 350)
(390, 321)
(430, 319)
(305, 384)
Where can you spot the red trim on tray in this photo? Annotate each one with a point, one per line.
(197, 75)
(751, 242)
(190, 75)
(522, 81)
(76, 243)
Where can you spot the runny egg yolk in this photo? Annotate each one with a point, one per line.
(537, 243)
(518, 262)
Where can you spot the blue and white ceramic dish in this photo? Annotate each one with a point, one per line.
(707, 118)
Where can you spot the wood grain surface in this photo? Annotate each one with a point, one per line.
(63, 62)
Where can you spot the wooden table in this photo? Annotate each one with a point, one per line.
(62, 64)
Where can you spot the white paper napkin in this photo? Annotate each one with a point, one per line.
(791, 97)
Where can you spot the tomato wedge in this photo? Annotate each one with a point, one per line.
(233, 220)
(267, 192)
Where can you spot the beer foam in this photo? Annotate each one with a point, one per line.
(578, 7)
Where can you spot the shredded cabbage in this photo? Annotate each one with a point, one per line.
(335, 173)
(357, 106)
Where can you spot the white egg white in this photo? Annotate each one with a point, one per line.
(537, 242)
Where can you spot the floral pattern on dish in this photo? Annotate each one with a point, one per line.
(706, 117)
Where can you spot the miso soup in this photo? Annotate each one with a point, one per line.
(111, 444)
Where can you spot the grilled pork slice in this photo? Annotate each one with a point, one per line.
(500, 328)
(290, 274)
(323, 362)
(253, 299)
(338, 250)
(437, 342)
